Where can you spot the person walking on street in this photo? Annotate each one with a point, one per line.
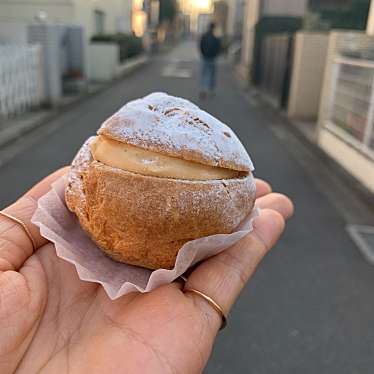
(210, 48)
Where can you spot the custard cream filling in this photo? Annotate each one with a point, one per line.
(137, 160)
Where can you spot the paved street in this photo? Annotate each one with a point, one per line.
(310, 306)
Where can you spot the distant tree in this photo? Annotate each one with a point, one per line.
(168, 10)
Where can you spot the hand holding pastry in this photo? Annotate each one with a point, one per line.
(161, 172)
(52, 322)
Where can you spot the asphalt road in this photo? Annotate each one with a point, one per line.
(310, 306)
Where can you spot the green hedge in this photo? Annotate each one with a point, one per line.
(129, 45)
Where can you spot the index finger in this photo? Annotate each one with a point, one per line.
(262, 188)
(223, 276)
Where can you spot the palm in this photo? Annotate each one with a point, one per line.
(81, 330)
(52, 322)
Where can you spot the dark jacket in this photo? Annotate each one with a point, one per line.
(210, 45)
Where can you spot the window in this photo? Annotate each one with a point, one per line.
(352, 102)
(99, 21)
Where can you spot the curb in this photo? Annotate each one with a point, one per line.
(349, 180)
(363, 193)
(8, 136)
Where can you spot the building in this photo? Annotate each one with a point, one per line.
(345, 128)
(340, 14)
(235, 18)
(203, 20)
(258, 13)
(262, 17)
(370, 22)
(329, 74)
(97, 17)
(220, 16)
(192, 9)
(329, 4)
(64, 29)
(321, 15)
(139, 18)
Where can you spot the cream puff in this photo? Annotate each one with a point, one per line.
(159, 173)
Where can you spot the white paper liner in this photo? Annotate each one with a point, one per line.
(61, 227)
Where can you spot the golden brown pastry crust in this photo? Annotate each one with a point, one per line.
(143, 220)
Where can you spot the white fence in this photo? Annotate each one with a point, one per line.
(21, 78)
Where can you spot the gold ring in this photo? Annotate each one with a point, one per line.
(212, 303)
(23, 225)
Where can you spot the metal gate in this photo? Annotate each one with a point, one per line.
(21, 80)
(276, 67)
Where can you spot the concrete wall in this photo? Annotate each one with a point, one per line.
(235, 17)
(80, 12)
(254, 10)
(103, 60)
(337, 39)
(49, 36)
(310, 50)
(117, 12)
(361, 167)
(251, 16)
(290, 8)
(324, 106)
(354, 161)
(370, 22)
(25, 11)
(203, 20)
(117, 15)
(13, 32)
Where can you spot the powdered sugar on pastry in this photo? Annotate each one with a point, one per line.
(176, 127)
(142, 213)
